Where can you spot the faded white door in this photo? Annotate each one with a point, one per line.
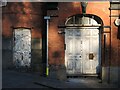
(82, 50)
(90, 50)
(22, 47)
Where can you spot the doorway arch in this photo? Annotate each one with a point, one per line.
(83, 44)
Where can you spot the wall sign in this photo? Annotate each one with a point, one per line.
(117, 22)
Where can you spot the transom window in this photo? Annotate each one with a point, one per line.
(78, 20)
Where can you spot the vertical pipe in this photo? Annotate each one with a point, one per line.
(100, 61)
(1, 48)
(47, 22)
(99, 55)
(47, 69)
(109, 61)
(104, 48)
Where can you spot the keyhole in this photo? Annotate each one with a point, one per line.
(91, 56)
(22, 57)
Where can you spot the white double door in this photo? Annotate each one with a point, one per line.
(82, 50)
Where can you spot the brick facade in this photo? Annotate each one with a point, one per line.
(31, 15)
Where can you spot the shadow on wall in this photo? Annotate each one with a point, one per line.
(57, 58)
(56, 54)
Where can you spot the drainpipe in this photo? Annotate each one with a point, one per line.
(47, 18)
(109, 61)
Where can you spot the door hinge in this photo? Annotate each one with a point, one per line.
(64, 46)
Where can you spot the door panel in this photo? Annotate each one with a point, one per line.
(22, 47)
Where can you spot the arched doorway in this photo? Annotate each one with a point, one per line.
(83, 45)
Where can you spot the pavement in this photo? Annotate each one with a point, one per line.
(14, 79)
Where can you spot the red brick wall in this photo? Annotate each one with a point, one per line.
(67, 9)
(21, 14)
(56, 44)
(100, 9)
(17, 15)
